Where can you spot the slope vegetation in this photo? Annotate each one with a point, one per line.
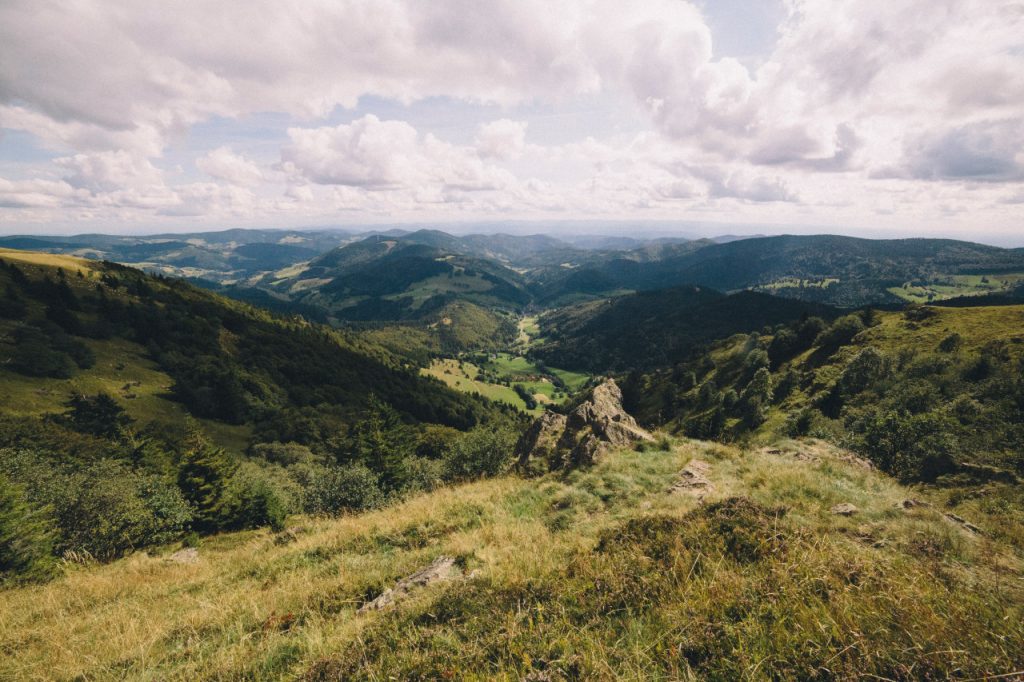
(750, 576)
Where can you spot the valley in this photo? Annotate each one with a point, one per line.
(406, 415)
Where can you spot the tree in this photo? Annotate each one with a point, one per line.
(97, 415)
(756, 398)
(381, 442)
(202, 477)
(481, 452)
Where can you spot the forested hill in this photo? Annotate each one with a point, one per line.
(837, 270)
(658, 328)
(228, 361)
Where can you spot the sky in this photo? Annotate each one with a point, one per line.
(894, 118)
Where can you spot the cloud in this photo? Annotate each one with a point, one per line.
(991, 151)
(386, 155)
(502, 139)
(223, 164)
(854, 104)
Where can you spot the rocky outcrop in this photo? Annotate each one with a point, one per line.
(441, 569)
(582, 436)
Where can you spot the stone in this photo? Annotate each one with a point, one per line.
(844, 509)
(963, 523)
(440, 569)
(693, 479)
(188, 555)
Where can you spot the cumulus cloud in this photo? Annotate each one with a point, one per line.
(386, 155)
(501, 139)
(982, 151)
(224, 164)
(878, 95)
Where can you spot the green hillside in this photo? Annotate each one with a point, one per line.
(925, 393)
(757, 580)
(134, 410)
(657, 328)
(388, 279)
(842, 271)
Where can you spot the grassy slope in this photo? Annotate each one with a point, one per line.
(888, 592)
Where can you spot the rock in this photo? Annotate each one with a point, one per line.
(584, 435)
(188, 555)
(540, 440)
(911, 503)
(844, 509)
(694, 479)
(440, 569)
(963, 523)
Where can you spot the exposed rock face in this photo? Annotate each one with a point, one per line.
(584, 435)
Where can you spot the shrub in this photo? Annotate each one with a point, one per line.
(951, 343)
(258, 496)
(285, 454)
(480, 452)
(97, 415)
(422, 474)
(867, 367)
(337, 489)
(840, 333)
(26, 537)
(108, 509)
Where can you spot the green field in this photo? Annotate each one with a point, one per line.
(462, 376)
(483, 378)
(796, 282)
(954, 286)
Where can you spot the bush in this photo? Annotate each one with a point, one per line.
(26, 537)
(257, 496)
(421, 474)
(97, 415)
(867, 367)
(337, 489)
(951, 343)
(840, 333)
(479, 453)
(285, 454)
(108, 509)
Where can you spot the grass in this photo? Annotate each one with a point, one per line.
(632, 583)
(71, 264)
(462, 375)
(515, 369)
(952, 286)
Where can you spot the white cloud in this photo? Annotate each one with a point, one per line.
(224, 164)
(386, 155)
(502, 139)
(904, 103)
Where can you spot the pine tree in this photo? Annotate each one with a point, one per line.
(202, 477)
